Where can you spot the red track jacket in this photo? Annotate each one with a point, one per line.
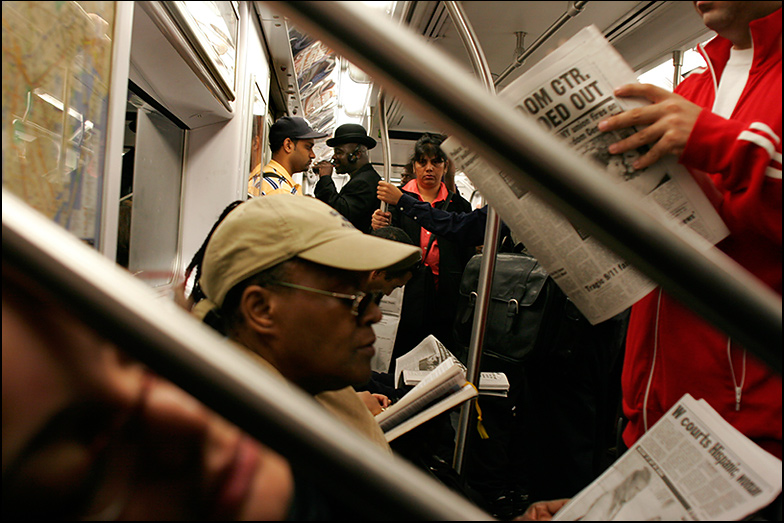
(743, 157)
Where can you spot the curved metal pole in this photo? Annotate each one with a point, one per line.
(384, 128)
(708, 282)
(487, 266)
(574, 9)
(219, 374)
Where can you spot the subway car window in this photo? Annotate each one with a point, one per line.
(425, 260)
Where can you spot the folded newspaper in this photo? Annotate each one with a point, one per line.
(490, 383)
(441, 384)
(568, 93)
(691, 465)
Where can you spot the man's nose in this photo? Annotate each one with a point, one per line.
(372, 314)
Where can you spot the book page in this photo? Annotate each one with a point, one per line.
(466, 393)
(443, 380)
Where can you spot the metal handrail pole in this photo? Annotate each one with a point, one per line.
(677, 63)
(487, 265)
(574, 9)
(224, 377)
(706, 281)
(385, 149)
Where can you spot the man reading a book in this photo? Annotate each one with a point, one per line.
(286, 277)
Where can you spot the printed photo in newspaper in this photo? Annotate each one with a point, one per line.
(691, 465)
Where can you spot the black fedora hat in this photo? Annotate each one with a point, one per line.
(351, 133)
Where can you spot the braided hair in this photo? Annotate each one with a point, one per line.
(197, 294)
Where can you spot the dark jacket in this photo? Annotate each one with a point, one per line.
(425, 310)
(356, 200)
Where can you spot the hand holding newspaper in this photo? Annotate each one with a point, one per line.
(691, 465)
(568, 93)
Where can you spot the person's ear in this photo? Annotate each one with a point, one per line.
(288, 145)
(258, 307)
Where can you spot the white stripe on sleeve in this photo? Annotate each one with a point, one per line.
(762, 127)
(758, 140)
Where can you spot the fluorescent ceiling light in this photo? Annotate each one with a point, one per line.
(386, 7)
(353, 96)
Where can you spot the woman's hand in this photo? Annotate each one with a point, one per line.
(388, 193)
(380, 219)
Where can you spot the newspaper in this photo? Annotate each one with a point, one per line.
(386, 330)
(413, 366)
(569, 93)
(426, 356)
(691, 465)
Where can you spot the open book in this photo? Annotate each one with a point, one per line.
(443, 388)
(691, 465)
(440, 383)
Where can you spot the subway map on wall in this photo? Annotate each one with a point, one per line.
(56, 71)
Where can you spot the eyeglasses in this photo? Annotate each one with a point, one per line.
(359, 302)
(437, 162)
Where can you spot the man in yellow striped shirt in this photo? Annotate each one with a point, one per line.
(291, 140)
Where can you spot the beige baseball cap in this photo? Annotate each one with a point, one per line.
(268, 230)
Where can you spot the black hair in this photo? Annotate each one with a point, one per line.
(277, 143)
(196, 262)
(399, 235)
(429, 145)
(393, 233)
(227, 317)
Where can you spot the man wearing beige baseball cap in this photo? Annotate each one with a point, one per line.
(285, 277)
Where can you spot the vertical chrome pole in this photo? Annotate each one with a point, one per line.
(384, 128)
(487, 266)
(677, 62)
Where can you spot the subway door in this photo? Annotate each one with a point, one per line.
(157, 197)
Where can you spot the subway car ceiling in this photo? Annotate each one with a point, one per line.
(645, 33)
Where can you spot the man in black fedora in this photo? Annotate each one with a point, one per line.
(357, 199)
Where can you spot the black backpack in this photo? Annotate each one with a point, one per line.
(523, 316)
